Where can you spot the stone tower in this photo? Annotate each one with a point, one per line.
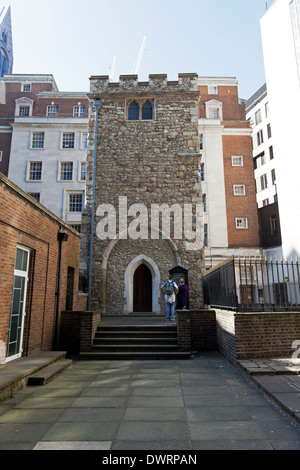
(148, 215)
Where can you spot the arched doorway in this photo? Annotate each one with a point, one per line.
(142, 289)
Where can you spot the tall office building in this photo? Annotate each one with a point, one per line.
(281, 46)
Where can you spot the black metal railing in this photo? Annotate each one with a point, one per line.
(253, 284)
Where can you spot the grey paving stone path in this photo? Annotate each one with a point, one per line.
(201, 404)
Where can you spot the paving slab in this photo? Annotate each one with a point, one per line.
(204, 403)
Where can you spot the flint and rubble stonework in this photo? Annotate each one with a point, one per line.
(150, 162)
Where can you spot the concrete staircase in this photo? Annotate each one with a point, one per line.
(136, 341)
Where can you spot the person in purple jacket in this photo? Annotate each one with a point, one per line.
(182, 296)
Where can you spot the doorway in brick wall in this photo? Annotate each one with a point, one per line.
(18, 304)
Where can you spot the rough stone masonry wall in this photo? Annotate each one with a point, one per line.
(143, 161)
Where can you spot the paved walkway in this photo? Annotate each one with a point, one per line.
(203, 403)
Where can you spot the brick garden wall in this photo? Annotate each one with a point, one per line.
(239, 335)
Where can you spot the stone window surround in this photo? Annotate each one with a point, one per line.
(140, 102)
(24, 102)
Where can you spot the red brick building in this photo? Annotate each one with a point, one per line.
(39, 259)
(231, 225)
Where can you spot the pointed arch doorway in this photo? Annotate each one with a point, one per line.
(129, 283)
(142, 289)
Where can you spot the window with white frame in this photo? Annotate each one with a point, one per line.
(68, 140)
(84, 140)
(24, 111)
(241, 223)
(214, 113)
(82, 175)
(38, 140)
(212, 90)
(75, 202)
(237, 161)
(52, 110)
(66, 171)
(263, 182)
(259, 138)
(79, 111)
(239, 190)
(258, 117)
(214, 109)
(26, 87)
(35, 171)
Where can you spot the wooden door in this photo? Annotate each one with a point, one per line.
(142, 289)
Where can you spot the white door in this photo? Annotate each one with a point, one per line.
(18, 303)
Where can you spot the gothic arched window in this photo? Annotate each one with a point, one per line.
(147, 112)
(133, 112)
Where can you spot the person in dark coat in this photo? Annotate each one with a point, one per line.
(182, 296)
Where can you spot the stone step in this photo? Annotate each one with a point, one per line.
(114, 356)
(45, 375)
(134, 348)
(135, 340)
(136, 334)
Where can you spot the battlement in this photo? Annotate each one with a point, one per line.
(187, 82)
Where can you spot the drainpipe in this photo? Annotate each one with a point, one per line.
(61, 237)
(97, 106)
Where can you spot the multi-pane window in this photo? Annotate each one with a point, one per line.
(241, 223)
(84, 142)
(35, 196)
(77, 227)
(239, 190)
(75, 202)
(214, 113)
(24, 111)
(237, 161)
(66, 171)
(26, 87)
(68, 140)
(133, 112)
(35, 171)
(147, 111)
(140, 109)
(38, 140)
(79, 111)
(52, 110)
(202, 172)
(83, 171)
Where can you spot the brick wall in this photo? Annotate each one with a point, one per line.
(25, 222)
(240, 206)
(239, 335)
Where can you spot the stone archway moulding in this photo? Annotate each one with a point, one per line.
(129, 274)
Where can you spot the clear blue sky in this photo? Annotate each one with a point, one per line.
(74, 39)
